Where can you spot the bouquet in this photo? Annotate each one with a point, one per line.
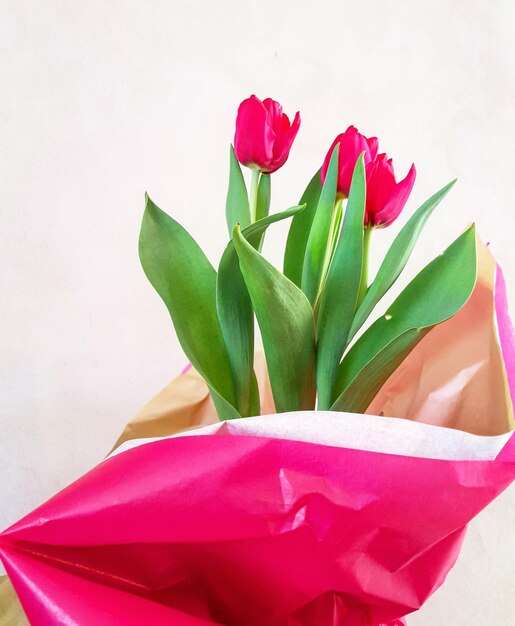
(326, 480)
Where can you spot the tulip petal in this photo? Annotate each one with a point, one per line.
(373, 146)
(327, 160)
(352, 144)
(380, 187)
(254, 137)
(275, 115)
(283, 142)
(397, 200)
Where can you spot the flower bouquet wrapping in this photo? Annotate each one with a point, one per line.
(329, 480)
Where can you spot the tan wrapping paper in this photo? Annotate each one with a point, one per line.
(456, 377)
(11, 612)
(185, 403)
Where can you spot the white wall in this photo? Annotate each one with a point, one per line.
(104, 100)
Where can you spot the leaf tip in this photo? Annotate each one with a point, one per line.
(360, 163)
(149, 203)
(152, 211)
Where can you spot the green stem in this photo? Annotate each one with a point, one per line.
(367, 235)
(254, 185)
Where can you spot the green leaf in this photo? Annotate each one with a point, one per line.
(186, 281)
(396, 258)
(316, 249)
(358, 396)
(340, 293)
(224, 410)
(237, 203)
(299, 231)
(263, 203)
(237, 316)
(285, 319)
(437, 293)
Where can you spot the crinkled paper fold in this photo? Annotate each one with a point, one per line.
(302, 519)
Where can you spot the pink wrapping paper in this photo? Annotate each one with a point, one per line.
(240, 529)
(269, 532)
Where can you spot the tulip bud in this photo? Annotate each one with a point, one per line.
(264, 134)
(352, 144)
(385, 197)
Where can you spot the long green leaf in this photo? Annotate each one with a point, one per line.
(318, 239)
(285, 319)
(396, 258)
(224, 410)
(358, 396)
(340, 292)
(237, 316)
(437, 293)
(299, 231)
(186, 281)
(237, 203)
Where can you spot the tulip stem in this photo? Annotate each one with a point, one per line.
(367, 233)
(253, 196)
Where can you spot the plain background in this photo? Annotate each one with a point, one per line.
(104, 100)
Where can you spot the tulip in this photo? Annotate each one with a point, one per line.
(352, 144)
(264, 134)
(385, 196)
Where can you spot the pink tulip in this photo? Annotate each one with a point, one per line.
(264, 134)
(352, 144)
(385, 197)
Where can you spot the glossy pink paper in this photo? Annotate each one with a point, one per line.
(252, 531)
(268, 532)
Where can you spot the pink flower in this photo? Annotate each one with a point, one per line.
(352, 144)
(385, 197)
(264, 134)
